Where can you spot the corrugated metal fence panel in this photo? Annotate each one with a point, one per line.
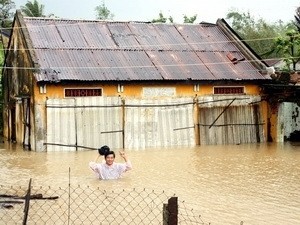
(99, 122)
(82, 123)
(60, 125)
(288, 121)
(158, 123)
(223, 100)
(239, 123)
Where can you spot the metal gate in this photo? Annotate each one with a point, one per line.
(83, 123)
(159, 123)
(230, 120)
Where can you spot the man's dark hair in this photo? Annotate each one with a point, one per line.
(109, 153)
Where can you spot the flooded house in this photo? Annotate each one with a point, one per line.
(77, 84)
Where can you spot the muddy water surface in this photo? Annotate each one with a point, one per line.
(258, 184)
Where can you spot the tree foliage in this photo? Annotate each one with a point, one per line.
(191, 19)
(103, 13)
(6, 14)
(161, 19)
(33, 9)
(258, 34)
(289, 47)
(297, 18)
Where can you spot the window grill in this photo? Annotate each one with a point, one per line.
(80, 92)
(229, 90)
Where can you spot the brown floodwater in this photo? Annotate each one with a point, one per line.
(258, 184)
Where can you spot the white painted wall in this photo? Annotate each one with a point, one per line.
(288, 120)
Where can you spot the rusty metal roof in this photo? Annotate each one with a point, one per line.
(107, 51)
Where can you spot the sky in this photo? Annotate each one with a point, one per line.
(147, 10)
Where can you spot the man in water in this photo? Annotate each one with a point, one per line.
(109, 169)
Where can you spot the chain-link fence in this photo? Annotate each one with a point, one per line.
(87, 205)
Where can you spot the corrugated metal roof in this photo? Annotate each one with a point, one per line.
(107, 51)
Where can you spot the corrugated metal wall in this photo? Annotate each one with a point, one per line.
(99, 122)
(288, 120)
(225, 120)
(159, 123)
(61, 132)
(80, 123)
(75, 124)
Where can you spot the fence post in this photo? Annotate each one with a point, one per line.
(165, 214)
(170, 212)
(196, 120)
(27, 200)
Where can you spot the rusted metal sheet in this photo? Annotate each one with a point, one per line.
(180, 65)
(159, 37)
(159, 123)
(123, 36)
(101, 65)
(206, 38)
(221, 68)
(55, 33)
(98, 51)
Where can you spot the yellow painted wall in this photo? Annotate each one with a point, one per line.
(273, 118)
(136, 90)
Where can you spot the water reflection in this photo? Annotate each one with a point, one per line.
(256, 183)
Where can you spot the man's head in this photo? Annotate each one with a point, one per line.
(109, 157)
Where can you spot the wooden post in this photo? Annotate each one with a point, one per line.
(173, 211)
(123, 122)
(27, 200)
(165, 214)
(196, 120)
(170, 212)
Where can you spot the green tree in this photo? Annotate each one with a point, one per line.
(161, 19)
(297, 18)
(189, 19)
(258, 34)
(103, 13)
(33, 9)
(289, 47)
(287, 44)
(6, 14)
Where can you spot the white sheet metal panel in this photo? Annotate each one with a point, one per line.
(60, 125)
(240, 123)
(99, 122)
(288, 120)
(210, 101)
(159, 123)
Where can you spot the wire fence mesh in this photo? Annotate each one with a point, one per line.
(90, 205)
